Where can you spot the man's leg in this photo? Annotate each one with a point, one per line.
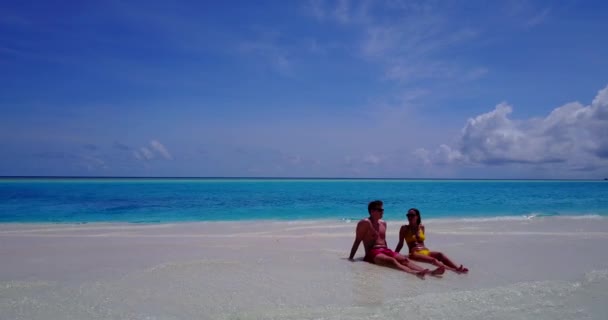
(408, 263)
(386, 261)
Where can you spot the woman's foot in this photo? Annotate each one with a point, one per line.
(421, 274)
(462, 269)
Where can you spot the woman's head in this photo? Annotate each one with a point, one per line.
(413, 216)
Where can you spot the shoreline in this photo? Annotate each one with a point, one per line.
(529, 217)
(591, 226)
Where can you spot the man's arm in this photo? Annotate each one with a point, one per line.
(361, 229)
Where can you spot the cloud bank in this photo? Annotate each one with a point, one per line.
(573, 135)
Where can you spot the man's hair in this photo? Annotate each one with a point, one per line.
(374, 205)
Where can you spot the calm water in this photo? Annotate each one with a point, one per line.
(171, 200)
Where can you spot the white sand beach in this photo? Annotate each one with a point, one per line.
(544, 268)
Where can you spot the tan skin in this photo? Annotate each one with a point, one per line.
(435, 258)
(372, 232)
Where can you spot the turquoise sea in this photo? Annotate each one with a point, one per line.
(147, 200)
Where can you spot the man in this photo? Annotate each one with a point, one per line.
(372, 231)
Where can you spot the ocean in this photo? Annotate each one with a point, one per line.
(281, 248)
(164, 200)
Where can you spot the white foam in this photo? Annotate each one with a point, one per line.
(23, 284)
(596, 276)
(480, 219)
(525, 217)
(582, 217)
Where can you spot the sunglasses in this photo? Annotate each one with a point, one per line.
(410, 215)
(381, 210)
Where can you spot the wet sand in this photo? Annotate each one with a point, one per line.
(543, 268)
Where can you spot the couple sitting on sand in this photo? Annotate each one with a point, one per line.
(372, 232)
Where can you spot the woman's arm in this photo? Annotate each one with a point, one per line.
(423, 232)
(401, 237)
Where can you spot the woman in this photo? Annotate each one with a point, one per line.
(413, 234)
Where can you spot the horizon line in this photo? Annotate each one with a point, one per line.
(278, 178)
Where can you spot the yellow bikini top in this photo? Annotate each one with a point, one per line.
(411, 237)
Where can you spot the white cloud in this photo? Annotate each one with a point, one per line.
(83, 160)
(539, 18)
(339, 10)
(160, 148)
(342, 12)
(313, 46)
(359, 162)
(152, 151)
(316, 9)
(372, 159)
(267, 48)
(573, 136)
(92, 162)
(475, 74)
(413, 94)
(411, 71)
(442, 155)
(379, 40)
(446, 154)
(146, 153)
(423, 155)
(406, 44)
(293, 159)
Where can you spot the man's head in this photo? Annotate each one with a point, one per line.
(375, 209)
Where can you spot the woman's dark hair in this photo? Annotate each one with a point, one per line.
(417, 212)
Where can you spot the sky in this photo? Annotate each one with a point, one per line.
(389, 89)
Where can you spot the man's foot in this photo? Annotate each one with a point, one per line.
(439, 271)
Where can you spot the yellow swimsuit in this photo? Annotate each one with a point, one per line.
(410, 237)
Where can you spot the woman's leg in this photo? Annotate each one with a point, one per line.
(431, 260)
(447, 262)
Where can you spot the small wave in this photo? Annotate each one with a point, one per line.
(535, 215)
(596, 276)
(172, 266)
(525, 217)
(24, 284)
(583, 217)
(145, 221)
(480, 219)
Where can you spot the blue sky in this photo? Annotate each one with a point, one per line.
(451, 89)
